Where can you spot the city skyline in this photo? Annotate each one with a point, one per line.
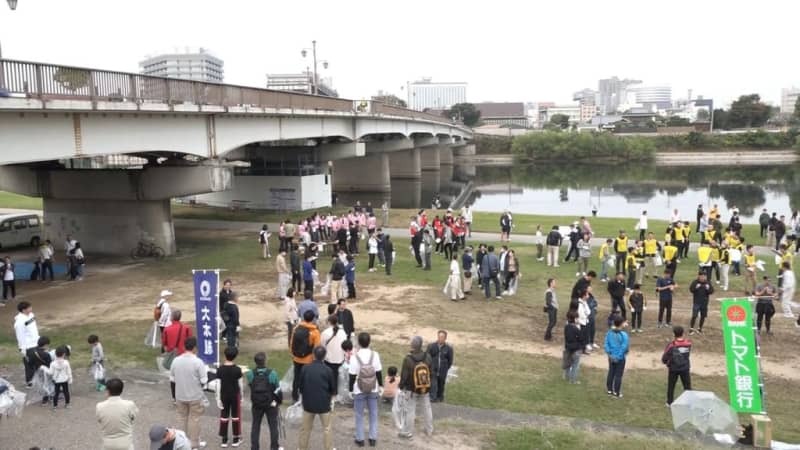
(519, 63)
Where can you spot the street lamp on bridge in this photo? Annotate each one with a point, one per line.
(13, 5)
(304, 52)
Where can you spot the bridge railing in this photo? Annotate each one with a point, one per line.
(56, 82)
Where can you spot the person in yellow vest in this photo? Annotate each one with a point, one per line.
(630, 267)
(710, 235)
(651, 249)
(749, 271)
(704, 258)
(687, 233)
(715, 254)
(724, 264)
(783, 255)
(736, 262)
(671, 258)
(621, 247)
(713, 211)
(638, 253)
(607, 259)
(669, 234)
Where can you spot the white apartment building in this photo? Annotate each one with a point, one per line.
(789, 99)
(424, 94)
(200, 66)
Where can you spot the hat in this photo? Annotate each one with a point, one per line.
(157, 434)
(166, 293)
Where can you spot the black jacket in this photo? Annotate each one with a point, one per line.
(388, 248)
(224, 298)
(616, 288)
(579, 287)
(572, 338)
(294, 261)
(441, 357)
(233, 315)
(554, 238)
(317, 386)
(699, 292)
(337, 270)
(345, 318)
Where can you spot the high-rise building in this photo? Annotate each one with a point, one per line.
(199, 66)
(611, 92)
(300, 82)
(654, 97)
(424, 94)
(789, 99)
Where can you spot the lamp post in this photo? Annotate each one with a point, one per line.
(13, 5)
(304, 52)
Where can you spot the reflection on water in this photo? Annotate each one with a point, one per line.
(624, 191)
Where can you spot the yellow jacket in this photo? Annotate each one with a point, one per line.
(621, 244)
(669, 252)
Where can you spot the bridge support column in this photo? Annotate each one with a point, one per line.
(110, 226)
(366, 174)
(445, 155)
(405, 165)
(429, 158)
(464, 150)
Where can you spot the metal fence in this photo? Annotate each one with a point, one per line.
(54, 82)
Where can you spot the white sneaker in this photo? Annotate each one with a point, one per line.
(556, 265)
(577, 274)
(595, 346)
(789, 316)
(583, 274)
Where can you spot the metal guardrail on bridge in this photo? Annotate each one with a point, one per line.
(55, 82)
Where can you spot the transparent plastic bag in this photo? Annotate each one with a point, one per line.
(287, 381)
(343, 396)
(12, 402)
(153, 337)
(452, 373)
(398, 410)
(294, 414)
(98, 372)
(42, 386)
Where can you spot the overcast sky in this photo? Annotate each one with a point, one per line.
(505, 50)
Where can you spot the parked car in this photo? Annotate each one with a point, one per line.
(20, 229)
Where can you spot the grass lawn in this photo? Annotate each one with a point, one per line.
(16, 201)
(528, 439)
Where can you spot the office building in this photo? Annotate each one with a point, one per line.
(424, 94)
(389, 99)
(199, 66)
(789, 99)
(572, 111)
(505, 114)
(611, 92)
(654, 97)
(300, 82)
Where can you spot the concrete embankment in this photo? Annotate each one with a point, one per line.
(674, 158)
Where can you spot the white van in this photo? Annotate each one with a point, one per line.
(20, 229)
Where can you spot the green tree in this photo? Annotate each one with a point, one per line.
(749, 111)
(560, 120)
(464, 111)
(702, 115)
(71, 79)
(720, 119)
(675, 121)
(797, 108)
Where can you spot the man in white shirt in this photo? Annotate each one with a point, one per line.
(190, 375)
(9, 280)
(165, 318)
(116, 417)
(27, 336)
(46, 257)
(373, 380)
(788, 284)
(69, 247)
(675, 217)
(642, 225)
(466, 213)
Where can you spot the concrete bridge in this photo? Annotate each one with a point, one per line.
(108, 150)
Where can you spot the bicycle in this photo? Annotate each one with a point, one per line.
(147, 250)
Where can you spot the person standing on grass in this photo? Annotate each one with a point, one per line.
(190, 375)
(490, 271)
(332, 339)
(164, 314)
(454, 280)
(319, 387)
(591, 325)
(415, 384)
(266, 397)
(46, 254)
(676, 358)
(554, 240)
(651, 250)
(574, 237)
(230, 317)
(372, 251)
(467, 262)
(749, 259)
(308, 273)
(584, 311)
(550, 307)
(27, 333)
(616, 289)
(664, 287)
(505, 226)
(788, 286)
(539, 240)
(61, 374)
(581, 284)
(345, 316)
(224, 297)
(296, 264)
(174, 338)
(305, 337)
(365, 386)
(350, 277)
(606, 259)
(641, 226)
(9, 280)
(388, 253)
(573, 347)
(230, 396)
(98, 361)
(337, 273)
(763, 222)
(116, 417)
(441, 354)
(284, 274)
(616, 346)
(621, 247)
(584, 253)
(263, 239)
(291, 315)
(701, 290)
(637, 303)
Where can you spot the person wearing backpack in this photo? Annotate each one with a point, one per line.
(676, 358)
(366, 386)
(266, 397)
(441, 354)
(305, 337)
(415, 384)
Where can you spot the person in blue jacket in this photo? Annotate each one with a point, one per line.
(350, 276)
(616, 347)
(308, 274)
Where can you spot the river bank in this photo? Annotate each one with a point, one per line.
(673, 158)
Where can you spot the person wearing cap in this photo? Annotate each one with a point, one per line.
(163, 438)
(165, 319)
(116, 417)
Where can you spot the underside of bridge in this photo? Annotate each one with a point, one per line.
(109, 210)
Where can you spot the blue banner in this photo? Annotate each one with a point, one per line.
(206, 310)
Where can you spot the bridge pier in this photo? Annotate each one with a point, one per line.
(405, 165)
(445, 155)
(429, 158)
(110, 211)
(366, 174)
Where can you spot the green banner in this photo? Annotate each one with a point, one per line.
(741, 355)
